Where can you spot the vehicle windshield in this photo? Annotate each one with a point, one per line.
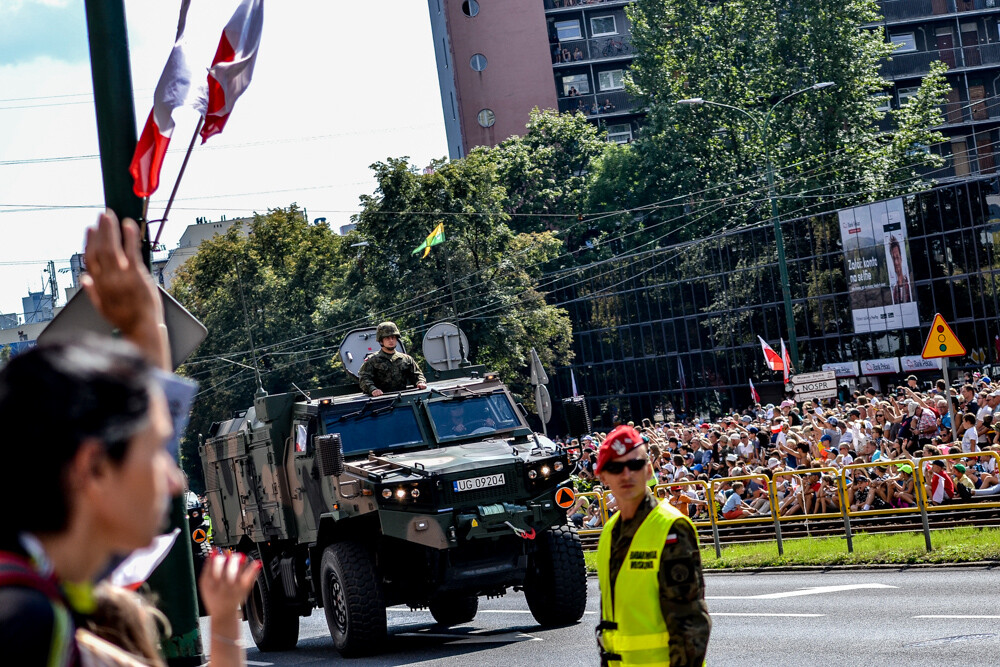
(482, 415)
(375, 429)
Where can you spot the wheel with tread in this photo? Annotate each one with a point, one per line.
(352, 599)
(556, 585)
(454, 609)
(272, 626)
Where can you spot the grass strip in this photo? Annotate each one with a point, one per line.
(954, 545)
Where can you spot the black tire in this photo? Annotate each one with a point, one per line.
(352, 599)
(556, 586)
(273, 627)
(454, 609)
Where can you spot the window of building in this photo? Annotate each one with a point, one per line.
(486, 118)
(906, 93)
(907, 41)
(478, 62)
(566, 30)
(620, 134)
(611, 80)
(882, 101)
(603, 25)
(575, 84)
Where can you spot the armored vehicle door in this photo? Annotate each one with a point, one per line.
(304, 483)
(265, 478)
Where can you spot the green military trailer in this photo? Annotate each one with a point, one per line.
(428, 498)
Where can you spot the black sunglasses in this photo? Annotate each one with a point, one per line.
(618, 467)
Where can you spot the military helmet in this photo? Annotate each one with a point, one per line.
(386, 329)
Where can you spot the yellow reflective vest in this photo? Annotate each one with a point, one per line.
(633, 630)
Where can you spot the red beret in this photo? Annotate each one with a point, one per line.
(619, 442)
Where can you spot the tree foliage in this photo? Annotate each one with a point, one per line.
(485, 271)
(704, 165)
(282, 268)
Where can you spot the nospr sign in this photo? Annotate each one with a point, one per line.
(808, 386)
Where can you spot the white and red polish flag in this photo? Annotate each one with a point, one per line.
(753, 392)
(232, 67)
(173, 90)
(771, 357)
(786, 361)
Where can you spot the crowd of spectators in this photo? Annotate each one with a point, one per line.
(875, 440)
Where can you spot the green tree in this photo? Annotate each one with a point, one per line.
(546, 175)
(485, 270)
(284, 269)
(826, 145)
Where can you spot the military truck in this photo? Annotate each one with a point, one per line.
(429, 498)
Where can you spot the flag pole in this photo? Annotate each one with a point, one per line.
(454, 308)
(180, 175)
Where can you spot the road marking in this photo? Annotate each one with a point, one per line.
(482, 611)
(956, 616)
(754, 614)
(509, 637)
(818, 590)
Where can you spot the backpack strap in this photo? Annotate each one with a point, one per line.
(17, 571)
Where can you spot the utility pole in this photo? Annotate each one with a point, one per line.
(173, 580)
(53, 284)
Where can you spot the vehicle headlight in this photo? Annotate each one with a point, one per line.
(401, 493)
(557, 466)
(387, 493)
(546, 471)
(532, 474)
(415, 493)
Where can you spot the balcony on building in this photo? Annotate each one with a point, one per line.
(610, 47)
(905, 65)
(897, 11)
(601, 104)
(556, 6)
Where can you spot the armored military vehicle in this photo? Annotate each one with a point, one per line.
(428, 498)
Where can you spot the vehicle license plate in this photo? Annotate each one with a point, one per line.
(474, 483)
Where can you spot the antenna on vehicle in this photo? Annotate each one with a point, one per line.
(260, 393)
(304, 393)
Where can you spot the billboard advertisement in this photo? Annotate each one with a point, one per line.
(879, 277)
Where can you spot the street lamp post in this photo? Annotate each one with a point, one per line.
(793, 345)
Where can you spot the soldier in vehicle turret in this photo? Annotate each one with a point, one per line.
(389, 370)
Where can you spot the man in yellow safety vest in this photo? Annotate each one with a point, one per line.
(653, 607)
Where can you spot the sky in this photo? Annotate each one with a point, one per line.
(337, 86)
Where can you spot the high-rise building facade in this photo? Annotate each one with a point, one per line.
(965, 35)
(497, 60)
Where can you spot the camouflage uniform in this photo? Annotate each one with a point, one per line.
(389, 372)
(682, 587)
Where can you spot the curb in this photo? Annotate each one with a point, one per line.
(980, 564)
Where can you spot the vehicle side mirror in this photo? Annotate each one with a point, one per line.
(331, 454)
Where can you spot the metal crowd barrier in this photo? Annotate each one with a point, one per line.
(844, 480)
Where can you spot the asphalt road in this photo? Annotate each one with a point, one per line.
(879, 617)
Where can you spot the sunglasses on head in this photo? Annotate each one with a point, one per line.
(618, 467)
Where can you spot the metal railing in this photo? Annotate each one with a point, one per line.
(900, 10)
(918, 63)
(578, 51)
(887, 472)
(581, 4)
(601, 104)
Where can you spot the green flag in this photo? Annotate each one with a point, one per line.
(435, 237)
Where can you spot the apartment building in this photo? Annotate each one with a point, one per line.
(497, 60)
(965, 35)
